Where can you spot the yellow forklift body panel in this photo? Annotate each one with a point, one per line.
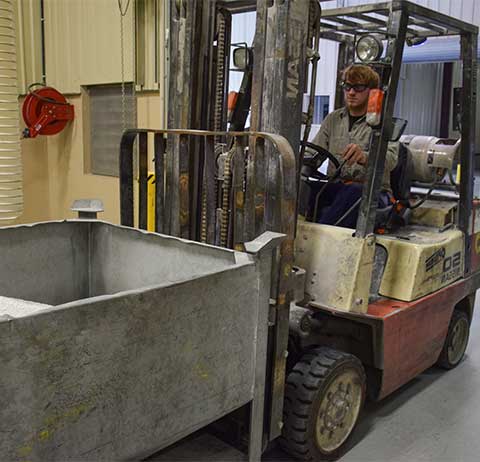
(434, 213)
(421, 261)
(338, 266)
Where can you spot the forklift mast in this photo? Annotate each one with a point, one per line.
(237, 183)
(199, 67)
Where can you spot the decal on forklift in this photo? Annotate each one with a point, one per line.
(451, 267)
(435, 258)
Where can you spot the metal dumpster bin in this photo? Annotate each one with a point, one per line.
(115, 342)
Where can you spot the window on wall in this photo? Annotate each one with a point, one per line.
(321, 107)
(104, 126)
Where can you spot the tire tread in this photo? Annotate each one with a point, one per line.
(303, 384)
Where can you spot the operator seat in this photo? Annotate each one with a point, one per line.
(400, 181)
(401, 175)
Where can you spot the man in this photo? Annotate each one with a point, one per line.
(346, 134)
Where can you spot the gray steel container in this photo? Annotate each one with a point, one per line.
(115, 342)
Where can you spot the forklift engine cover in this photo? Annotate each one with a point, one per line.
(420, 262)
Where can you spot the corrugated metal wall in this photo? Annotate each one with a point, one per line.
(417, 103)
(243, 30)
(438, 49)
(466, 10)
(420, 88)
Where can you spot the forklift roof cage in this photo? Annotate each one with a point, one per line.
(400, 20)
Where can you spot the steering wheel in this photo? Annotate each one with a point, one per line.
(312, 163)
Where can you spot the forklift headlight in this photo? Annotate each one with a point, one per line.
(241, 58)
(369, 48)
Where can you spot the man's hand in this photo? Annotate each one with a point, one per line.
(354, 155)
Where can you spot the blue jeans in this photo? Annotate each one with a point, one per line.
(338, 198)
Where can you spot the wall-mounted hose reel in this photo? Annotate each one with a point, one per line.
(45, 112)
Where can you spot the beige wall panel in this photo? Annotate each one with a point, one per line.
(54, 176)
(82, 47)
(29, 43)
(68, 180)
(54, 168)
(150, 110)
(36, 181)
(82, 43)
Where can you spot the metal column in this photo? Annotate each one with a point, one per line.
(396, 29)
(469, 59)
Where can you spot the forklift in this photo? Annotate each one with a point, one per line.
(354, 313)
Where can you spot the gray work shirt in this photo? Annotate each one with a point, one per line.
(335, 136)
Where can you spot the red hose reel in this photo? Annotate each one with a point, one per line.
(45, 112)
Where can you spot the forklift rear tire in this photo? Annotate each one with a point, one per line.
(456, 341)
(324, 395)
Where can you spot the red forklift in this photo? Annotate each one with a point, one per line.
(354, 313)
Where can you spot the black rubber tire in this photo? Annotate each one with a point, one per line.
(294, 353)
(459, 319)
(305, 391)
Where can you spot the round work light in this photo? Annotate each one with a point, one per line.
(369, 48)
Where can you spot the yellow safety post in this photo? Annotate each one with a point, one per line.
(151, 202)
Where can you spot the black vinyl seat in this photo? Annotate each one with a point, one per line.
(401, 175)
(398, 213)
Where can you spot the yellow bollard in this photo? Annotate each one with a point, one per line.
(151, 202)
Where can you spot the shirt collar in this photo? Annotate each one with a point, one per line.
(344, 114)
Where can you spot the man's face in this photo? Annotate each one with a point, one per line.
(356, 95)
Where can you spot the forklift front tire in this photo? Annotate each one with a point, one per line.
(324, 395)
(456, 341)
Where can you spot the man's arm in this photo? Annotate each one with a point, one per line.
(391, 157)
(322, 137)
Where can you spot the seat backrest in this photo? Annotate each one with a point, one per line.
(401, 175)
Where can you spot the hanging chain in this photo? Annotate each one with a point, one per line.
(122, 65)
(123, 12)
(134, 67)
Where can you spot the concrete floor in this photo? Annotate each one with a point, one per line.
(435, 417)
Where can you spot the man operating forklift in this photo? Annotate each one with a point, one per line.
(346, 134)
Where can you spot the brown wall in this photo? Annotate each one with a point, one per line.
(82, 47)
(54, 168)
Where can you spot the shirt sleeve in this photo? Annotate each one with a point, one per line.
(323, 135)
(391, 157)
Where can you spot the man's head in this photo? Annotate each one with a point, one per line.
(358, 80)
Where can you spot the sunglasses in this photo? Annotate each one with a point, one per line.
(358, 88)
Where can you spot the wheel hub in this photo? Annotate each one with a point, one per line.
(458, 341)
(338, 411)
(339, 404)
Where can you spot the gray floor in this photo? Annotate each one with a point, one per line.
(435, 417)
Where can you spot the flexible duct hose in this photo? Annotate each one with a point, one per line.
(11, 185)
